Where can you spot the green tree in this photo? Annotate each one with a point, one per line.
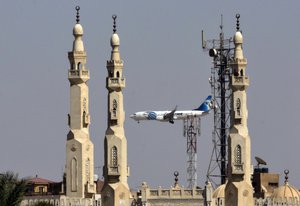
(43, 203)
(12, 189)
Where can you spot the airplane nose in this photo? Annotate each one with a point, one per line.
(132, 116)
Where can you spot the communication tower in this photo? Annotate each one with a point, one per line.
(191, 130)
(221, 52)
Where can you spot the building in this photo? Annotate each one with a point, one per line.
(80, 188)
(115, 170)
(176, 195)
(264, 183)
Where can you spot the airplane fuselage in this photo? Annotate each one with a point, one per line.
(160, 115)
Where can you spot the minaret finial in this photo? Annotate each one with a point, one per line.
(237, 16)
(115, 25)
(77, 14)
(176, 174)
(286, 172)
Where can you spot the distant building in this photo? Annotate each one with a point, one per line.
(40, 186)
(40, 189)
(264, 183)
(174, 196)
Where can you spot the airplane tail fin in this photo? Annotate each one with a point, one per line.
(207, 105)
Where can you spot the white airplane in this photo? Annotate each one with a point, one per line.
(170, 116)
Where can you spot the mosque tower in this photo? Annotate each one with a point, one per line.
(79, 149)
(238, 190)
(115, 171)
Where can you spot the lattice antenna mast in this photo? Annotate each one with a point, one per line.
(191, 130)
(221, 51)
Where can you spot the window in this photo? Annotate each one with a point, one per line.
(238, 106)
(238, 155)
(115, 106)
(79, 66)
(114, 156)
(118, 74)
(41, 190)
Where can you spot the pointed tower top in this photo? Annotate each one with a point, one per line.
(115, 24)
(238, 37)
(115, 40)
(77, 15)
(78, 33)
(286, 172)
(176, 174)
(237, 16)
(77, 30)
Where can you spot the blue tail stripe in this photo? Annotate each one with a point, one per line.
(205, 105)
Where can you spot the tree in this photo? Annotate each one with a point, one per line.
(12, 189)
(43, 203)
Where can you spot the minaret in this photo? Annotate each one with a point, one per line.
(238, 191)
(80, 149)
(115, 171)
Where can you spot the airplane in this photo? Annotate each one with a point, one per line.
(170, 116)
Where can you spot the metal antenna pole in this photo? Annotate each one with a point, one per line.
(191, 129)
(221, 51)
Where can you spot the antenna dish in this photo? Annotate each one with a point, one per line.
(213, 53)
(260, 161)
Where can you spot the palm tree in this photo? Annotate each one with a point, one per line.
(12, 189)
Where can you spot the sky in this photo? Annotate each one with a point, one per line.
(164, 66)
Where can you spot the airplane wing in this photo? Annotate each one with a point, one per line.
(170, 115)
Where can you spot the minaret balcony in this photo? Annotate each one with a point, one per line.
(238, 169)
(114, 171)
(90, 188)
(78, 76)
(115, 83)
(240, 82)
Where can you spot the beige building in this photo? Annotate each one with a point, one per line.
(238, 190)
(264, 183)
(80, 187)
(175, 196)
(115, 171)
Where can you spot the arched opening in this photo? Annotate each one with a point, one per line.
(238, 106)
(114, 156)
(115, 106)
(238, 155)
(118, 74)
(79, 66)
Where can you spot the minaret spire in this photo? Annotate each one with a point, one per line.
(77, 14)
(115, 171)
(237, 16)
(115, 25)
(238, 190)
(80, 149)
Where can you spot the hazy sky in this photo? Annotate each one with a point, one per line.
(164, 66)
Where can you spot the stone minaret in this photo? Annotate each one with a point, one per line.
(238, 191)
(115, 171)
(80, 149)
